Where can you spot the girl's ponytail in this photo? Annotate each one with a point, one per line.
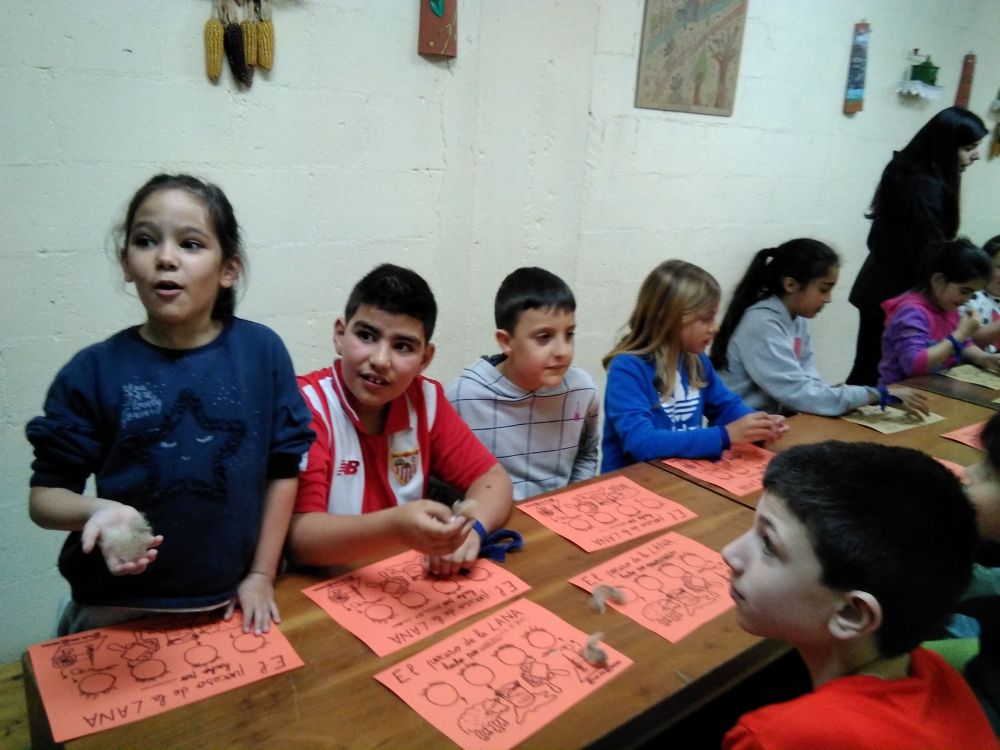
(801, 259)
(748, 291)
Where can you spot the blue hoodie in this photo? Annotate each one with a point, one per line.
(640, 425)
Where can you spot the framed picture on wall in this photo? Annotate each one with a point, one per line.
(689, 58)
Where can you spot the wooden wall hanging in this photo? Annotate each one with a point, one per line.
(965, 82)
(438, 28)
(854, 98)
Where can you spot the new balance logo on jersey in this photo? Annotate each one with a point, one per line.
(348, 468)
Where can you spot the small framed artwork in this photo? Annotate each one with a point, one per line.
(689, 58)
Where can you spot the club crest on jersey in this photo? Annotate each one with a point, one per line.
(404, 465)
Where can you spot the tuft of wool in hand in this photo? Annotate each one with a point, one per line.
(128, 543)
(600, 595)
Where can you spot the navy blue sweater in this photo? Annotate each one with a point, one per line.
(189, 437)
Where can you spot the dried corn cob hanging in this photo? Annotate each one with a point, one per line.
(232, 42)
(214, 31)
(265, 34)
(249, 28)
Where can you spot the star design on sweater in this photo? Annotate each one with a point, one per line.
(187, 453)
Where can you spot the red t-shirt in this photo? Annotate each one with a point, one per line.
(349, 472)
(932, 709)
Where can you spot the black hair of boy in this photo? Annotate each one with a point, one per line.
(887, 520)
(397, 291)
(530, 288)
(992, 246)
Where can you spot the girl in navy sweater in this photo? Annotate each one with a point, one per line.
(190, 423)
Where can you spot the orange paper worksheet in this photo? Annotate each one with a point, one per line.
(108, 677)
(968, 435)
(394, 602)
(672, 585)
(503, 678)
(740, 471)
(603, 514)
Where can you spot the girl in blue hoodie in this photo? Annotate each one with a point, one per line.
(661, 387)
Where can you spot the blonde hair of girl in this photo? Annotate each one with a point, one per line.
(672, 295)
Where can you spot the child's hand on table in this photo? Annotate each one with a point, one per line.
(463, 557)
(991, 363)
(911, 400)
(780, 425)
(255, 596)
(755, 428)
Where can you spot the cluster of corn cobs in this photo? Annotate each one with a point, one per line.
(246, 44)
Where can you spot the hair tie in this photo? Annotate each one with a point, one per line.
(768, 259)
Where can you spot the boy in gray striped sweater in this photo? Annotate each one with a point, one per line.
(528, 405)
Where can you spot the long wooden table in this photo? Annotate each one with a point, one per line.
(975, 394)
(334, 700)
(810, 428)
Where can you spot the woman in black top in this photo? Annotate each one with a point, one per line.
(915, 203)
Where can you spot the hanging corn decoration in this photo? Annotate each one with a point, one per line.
(214, 32)
(232, 42)
(265, 35)
(249, 28)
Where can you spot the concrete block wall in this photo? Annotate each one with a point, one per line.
(526, 149)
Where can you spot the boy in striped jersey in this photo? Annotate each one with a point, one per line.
(383, 430)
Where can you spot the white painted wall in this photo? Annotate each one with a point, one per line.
(526, 149)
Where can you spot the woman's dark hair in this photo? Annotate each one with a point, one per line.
(220, 211)
(956, 260)
(933, 151)
(802, 259)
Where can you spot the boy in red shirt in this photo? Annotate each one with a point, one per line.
(982, 598)
(382, 431)
(857, 553)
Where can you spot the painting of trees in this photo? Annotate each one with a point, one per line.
(689, 58)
